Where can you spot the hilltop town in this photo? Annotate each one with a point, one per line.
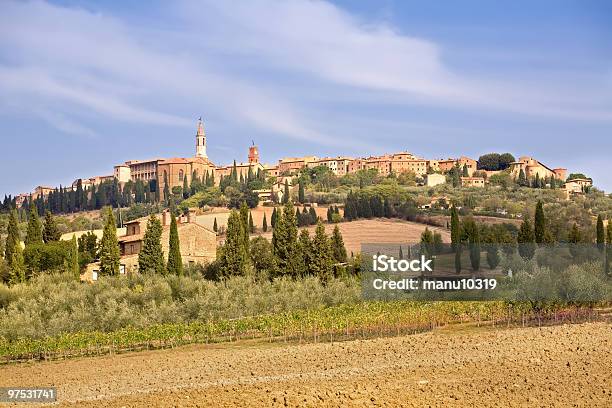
(163, 176)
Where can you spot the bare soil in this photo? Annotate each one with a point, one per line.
(557, 366)
(378, 230)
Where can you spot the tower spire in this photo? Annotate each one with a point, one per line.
(201, 140)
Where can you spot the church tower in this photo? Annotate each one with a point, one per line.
(253, 154)
(201, 140)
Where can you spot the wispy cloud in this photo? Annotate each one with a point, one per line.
(303, 70)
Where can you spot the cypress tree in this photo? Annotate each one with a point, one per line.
(301, 192)
(492, 255)
(151, 256)
(17, 265)
(455, 228)
(337, 243)
(329, 214)
(233, 254)
(286, 193)
(522, 178)
(474, 241)
(306, 252)
(539, 224)
(273, 218)
(34, 232)
(74, 258)
(167, 196)
(264, 224)
(322, 263)
(526, 240)
(312, 215)
(185, 187)
(601, 235)
(284, 242)
(251, 224)
(50, 231)
(109, 246)
(608, 246)
(175, 262)
(465, 171)
(244, 217)
(12, 238)
(456, 238)
(215, 227)
(234, 173)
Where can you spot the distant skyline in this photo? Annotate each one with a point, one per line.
(86, 85)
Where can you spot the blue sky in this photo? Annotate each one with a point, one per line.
(85, 85)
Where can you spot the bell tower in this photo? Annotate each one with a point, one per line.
(253, 154)
(201, 140)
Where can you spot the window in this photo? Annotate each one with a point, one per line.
(181, 175)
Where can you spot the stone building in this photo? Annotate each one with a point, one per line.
(291, 164)
(176, 170)
(445, 165)
(532, 167)
(338, 165)
(577, 186)
(198, 244)
(472, 181)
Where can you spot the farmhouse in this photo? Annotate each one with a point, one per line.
(472, 181)
(198, 244)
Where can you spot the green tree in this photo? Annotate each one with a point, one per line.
(109, 246)
(186, 188)
(244, 217)
(175, 261)
(456, 237)
(322, 263)
(474, 243)
(455, 228)
(262, 258)
(526, 240)
(215, 227)
(264, 224)
(601, 235)
(50, 231)
(286, 193)
(17, 265)
(301, 192)
(492, 255)
(284, 242)
(167, 197)
(337, 243)
(73, 262)
(151, 256)
(306, 252)
(539, 224)
(251, 224)
(608, 246)
(233, 254)
(34, 232)
(12, 238)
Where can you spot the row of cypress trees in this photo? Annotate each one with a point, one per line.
(291, 253)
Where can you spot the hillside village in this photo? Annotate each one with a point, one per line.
(163, 176)
(328, 189)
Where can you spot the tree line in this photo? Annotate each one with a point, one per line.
(291, 252)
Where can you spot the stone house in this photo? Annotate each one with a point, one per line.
(198, 244)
